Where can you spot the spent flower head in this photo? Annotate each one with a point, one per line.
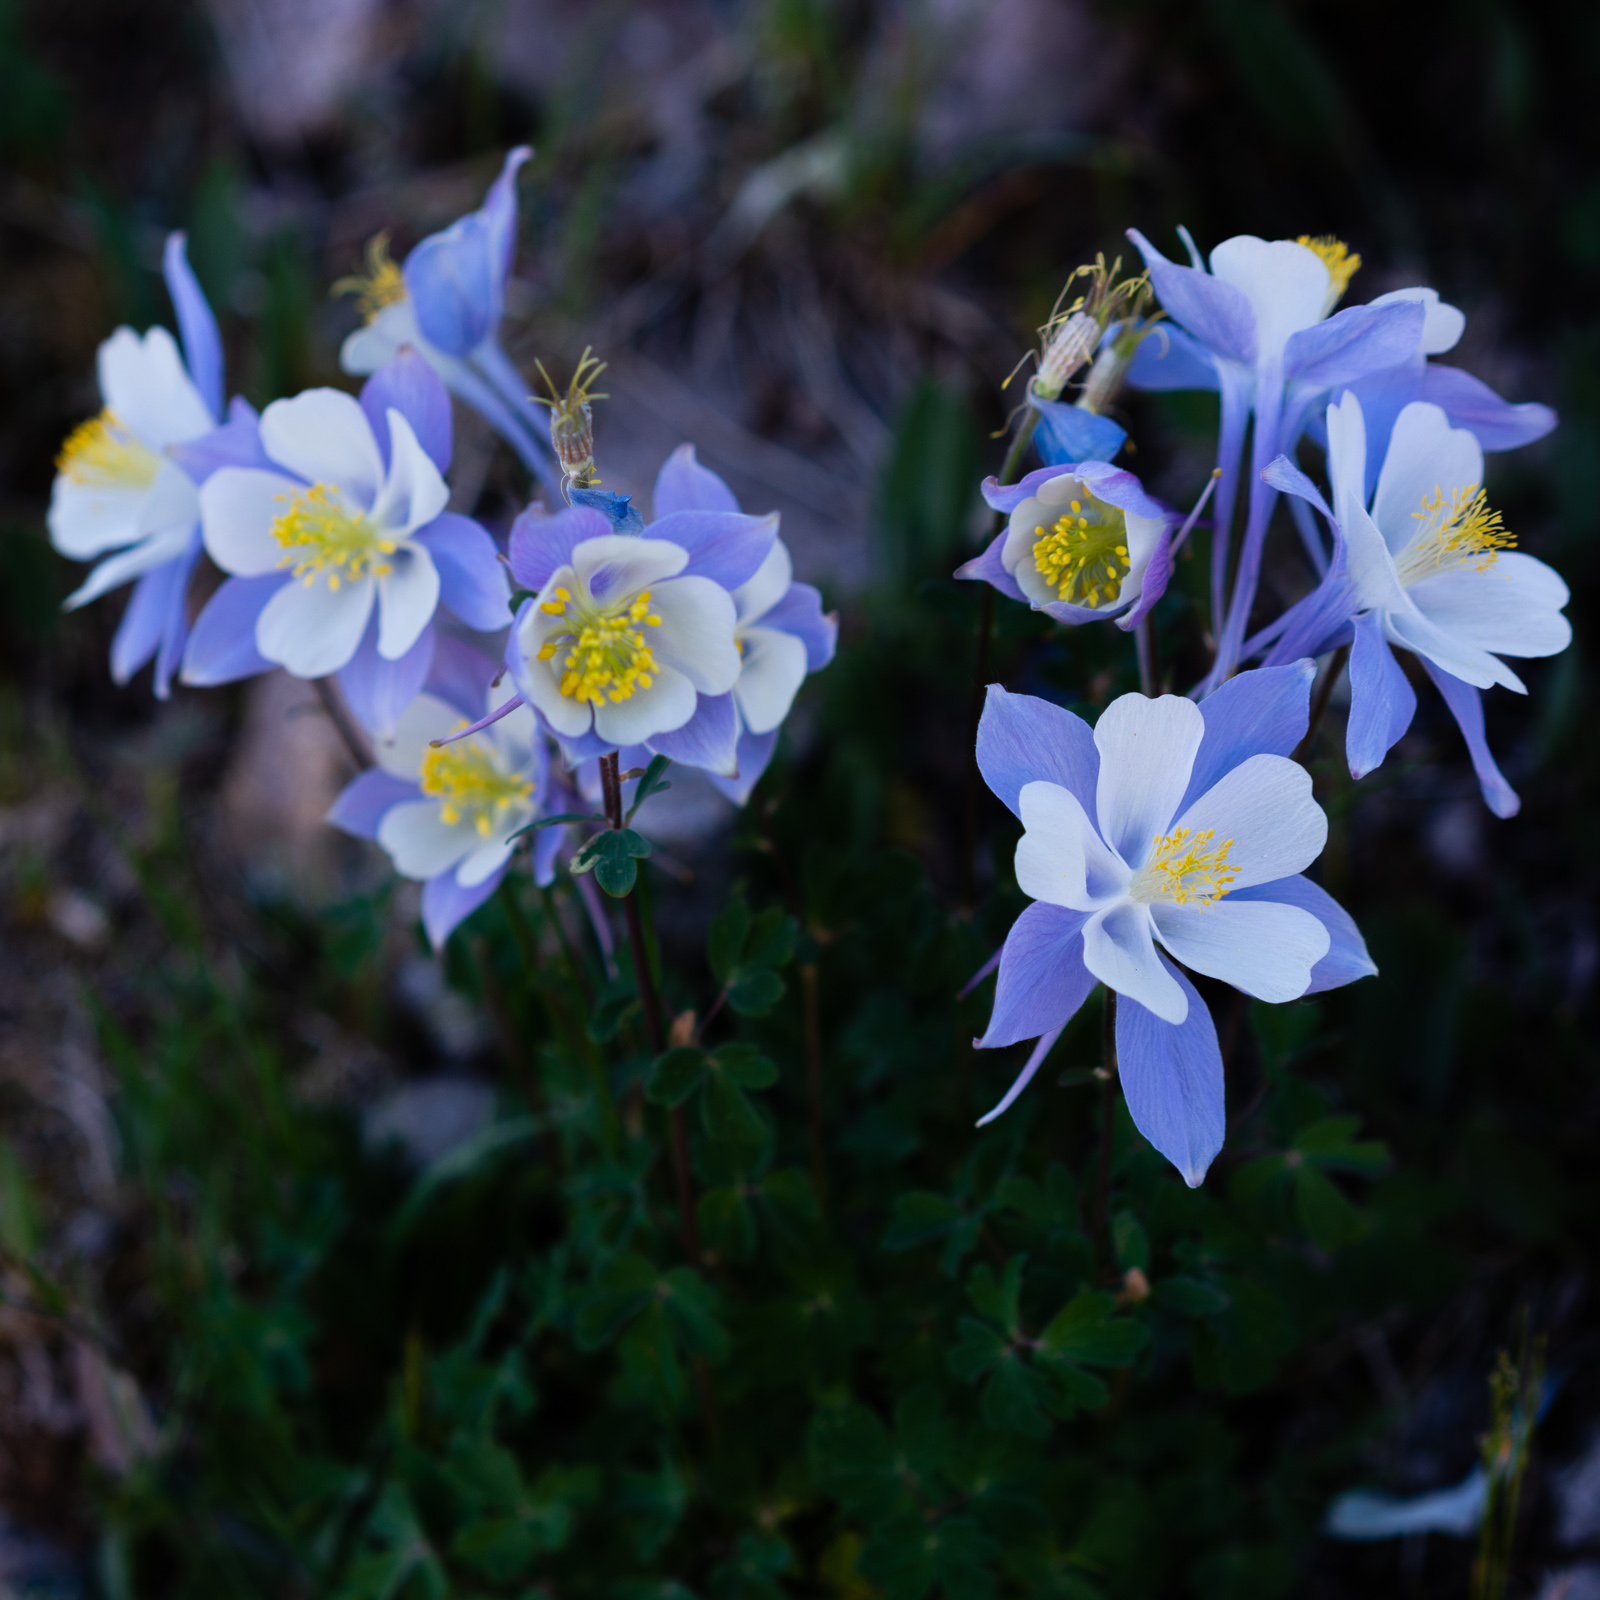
(572, 419)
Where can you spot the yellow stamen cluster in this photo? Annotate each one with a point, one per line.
(319, 533)
(1460, 532)
(603, 654)
(1342, 263)
(380, 285)
(102, 454)
(1186, 870)
(472, 785)
(1084, 555)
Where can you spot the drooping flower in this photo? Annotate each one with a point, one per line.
(1428, 567)
(1169, 832)
(1084, 543)
(340, 547)
(127, 493)
(1259, 322)
(446, 815)
(630, 639)
(446, 303)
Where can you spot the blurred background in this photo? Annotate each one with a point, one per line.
(814, 237)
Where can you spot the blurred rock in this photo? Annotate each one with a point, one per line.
(78, 919)
(430, 1118)
(458, 1028)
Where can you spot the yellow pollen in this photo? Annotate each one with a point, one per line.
(319, 533)
(1084, 552)
(472, 785)
(380, 285)
(1462, 531)
(601, 654)
(102, 454)
(1337, 257)
(1186, 870)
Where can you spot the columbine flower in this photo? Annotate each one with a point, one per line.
(1083, 543)
(1430, 568)
(446, 302)
(340, 546)
(1170, 830)
(630, 638)
(446, 815)
(124, 483)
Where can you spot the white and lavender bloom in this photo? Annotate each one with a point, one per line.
(1083, 543)
(446, 303)
(126, 492)
(1171, 832)
(1259, 323)
(630, 639)
(447, 815)
(780, 629)
(340, 548)
(1429, 567)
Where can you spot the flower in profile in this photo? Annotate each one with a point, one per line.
(126, 493)
(1429, 567)
(1171, 832)
(447, 815)
(446, 303)
(1083, 543)
(630, 638)
(340, 547)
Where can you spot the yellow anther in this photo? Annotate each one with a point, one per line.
(1342, 263)
(1184, 870)
(472, 785)
(102, 454)
(603, 654)
(319, 533)
(1084, 552)
(1460, 532)
(380, 285)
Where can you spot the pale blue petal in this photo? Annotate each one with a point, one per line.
(1022, 739)
(800, 613)
(1283, 474)
(754, 755)
(1382, 701)
(1218, 315)
(1036, 1057)
(1470, 403)
(541, 545)
(376, 689)
(1167, 358)
(1466, 706)
(1069, 433)
(446, 905)
(989, 568)
(1008, 496)
(684, 485)
(1356, 342)
(1347, 958)
(725, 546)
(362, 804)
(618, 509)
(709, 739)
(1264, 712)
(461, 676)
(237, 443)
(1042, 979)
(222, 643)
(412, 388)
(472, 578)
(197, 326)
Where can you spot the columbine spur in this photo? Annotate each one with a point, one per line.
(1169, 830)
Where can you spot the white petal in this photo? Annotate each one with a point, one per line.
(516, 734)
(773, 669)
(1147, 750)
(769, 585)
(1016, 554)
(172, 501)
(1285, 283)
(1260, 946)
(1264, 807)
(1060, 858)
(492, 853)
(668, 703)
(1372, 570)
(420, 842)
(86, 520)
(1119, 951)
(413, 494)
(540, 683)
(127, 565)
(406, 600)
(145, 383)
(1347, 459)
(312, 629)
(1442, 325)
(1462, 659)
(617, 566)
(238, 507)
(427, 718)
(1513, 608)
(1425, 455)
(696, 632)
(379, 342)
(323, 435)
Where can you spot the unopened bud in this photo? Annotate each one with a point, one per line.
(1135, 1286)
(682, 1031)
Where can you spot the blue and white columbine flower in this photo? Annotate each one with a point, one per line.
(780, 628)
(630, 638)
(1084, 543)
(1171, 830)
(1430, 568)
(126, 491)
(446, 303)
(340, 547)
(446, 815)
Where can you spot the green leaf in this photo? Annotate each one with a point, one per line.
(727, 1224)
(1085, 1330)
(1014, 1399)
(770, 941)
(696, 1311)
(1193, 1297)
(1077, 1390)
(1001, 1301)
(746, 1066)
(624, 1287)
(727, 1115)
(1329, 1143)
(1329, 1219)
(676, 1075)
(754, 991)
(979, 1348)
(725, 941)
(651, 783)
(502, 1549)
(1132, 1243)
(919, 1217)
(610, 855)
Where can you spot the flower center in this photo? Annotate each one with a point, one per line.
(1342, 264)
(101, 453)
(380, 285)
(1084, 555)
(602, 654)
(1460, 532)
(1186, 869)
(471, 785)
(320, 533)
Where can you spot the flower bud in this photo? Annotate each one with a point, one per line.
(572, 420)
(1067, 347)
